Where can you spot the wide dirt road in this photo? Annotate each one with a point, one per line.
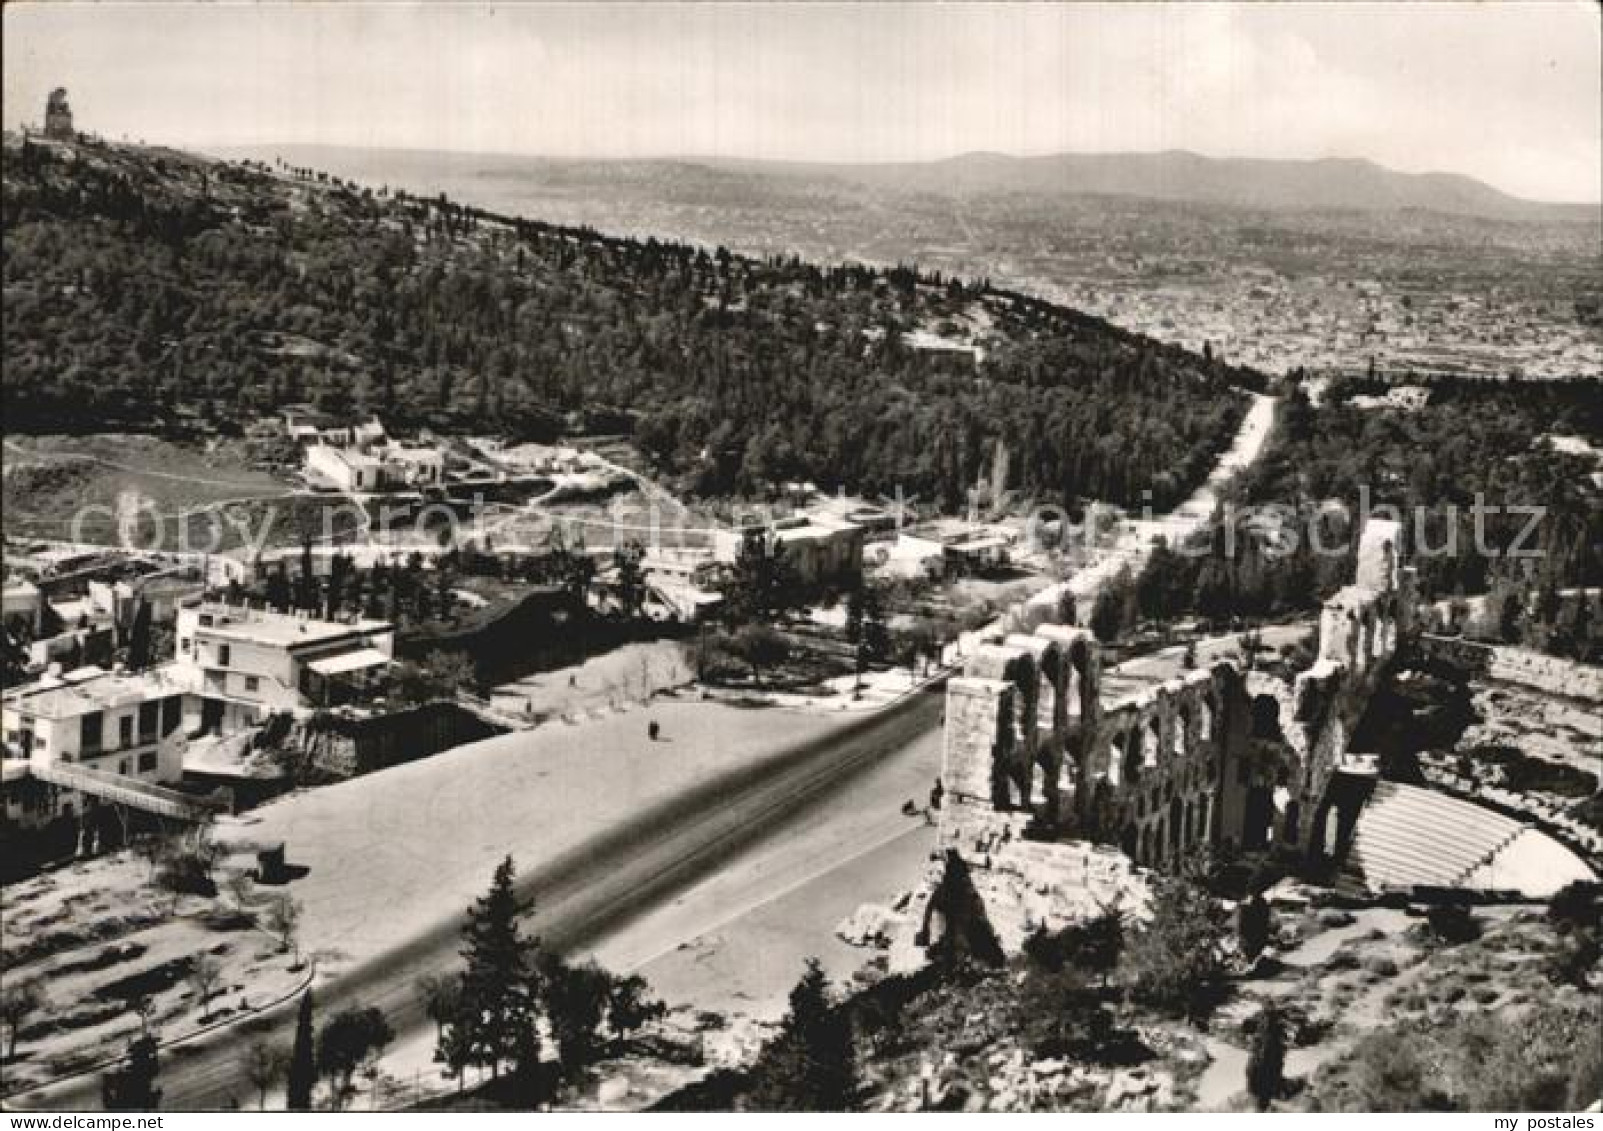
(580, 896)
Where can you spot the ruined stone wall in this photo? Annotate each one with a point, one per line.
(1215, 757)
(1157, 768)
(1552, 675)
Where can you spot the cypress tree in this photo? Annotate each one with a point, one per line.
(302, 1060)
(132, 1087)
(1252, 926)
(139, 638)
(1266, 1065)
(966, 934)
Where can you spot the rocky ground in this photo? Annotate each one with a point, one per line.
(1542, 726)
(1338, 976)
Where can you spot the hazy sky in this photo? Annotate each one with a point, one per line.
(1508, 92)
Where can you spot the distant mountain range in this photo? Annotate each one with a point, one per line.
(1175, 176)
(1348, 184)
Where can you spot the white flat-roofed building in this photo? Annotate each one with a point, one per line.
(112, 724)
(413, 465)
(369, 435)
(822, 547)
(681, 584)
(23, 600)
(344, 469)
(245, 663)
(946, 549)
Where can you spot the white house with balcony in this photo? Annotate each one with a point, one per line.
(85, 731)
(245, 663)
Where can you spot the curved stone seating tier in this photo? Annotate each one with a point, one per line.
(1411, 836)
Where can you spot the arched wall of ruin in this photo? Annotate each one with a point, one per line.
(1160, 773)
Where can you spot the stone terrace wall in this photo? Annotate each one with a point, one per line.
(1552, 675)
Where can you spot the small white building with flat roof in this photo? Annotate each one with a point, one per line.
(822, 547)
(344, 469)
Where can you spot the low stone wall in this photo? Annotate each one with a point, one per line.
(359, 746)
(1552, 675)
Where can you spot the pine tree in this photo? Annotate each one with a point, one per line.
(306, 593)
(576, 1004)
(628, 559)
(302, 1060)
(854, 614)
(278, 589)
(810, 1065)
(876, 635)
(498, 987)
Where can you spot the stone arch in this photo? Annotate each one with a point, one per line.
(1081, 675)
(1132, 754)
(1330, 834)
(1257, 818)
(1207, 719)
(1180, 729)
(1291, 823)
(1016, 667)
(1067, 778)
(1051, 672)
(1176, 821)
(1151, 730)
(1266, 718)
(1049, 720)
(1114, 773)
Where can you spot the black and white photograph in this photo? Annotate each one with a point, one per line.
(884, 557)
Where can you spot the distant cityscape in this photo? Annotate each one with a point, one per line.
(1413, 293)
(1322, 324)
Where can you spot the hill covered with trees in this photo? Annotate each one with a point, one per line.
(1498, 486)
(146, 288)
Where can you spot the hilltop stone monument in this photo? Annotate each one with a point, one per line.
(58, 116)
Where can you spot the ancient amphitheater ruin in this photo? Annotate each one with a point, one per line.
(1063, 779)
